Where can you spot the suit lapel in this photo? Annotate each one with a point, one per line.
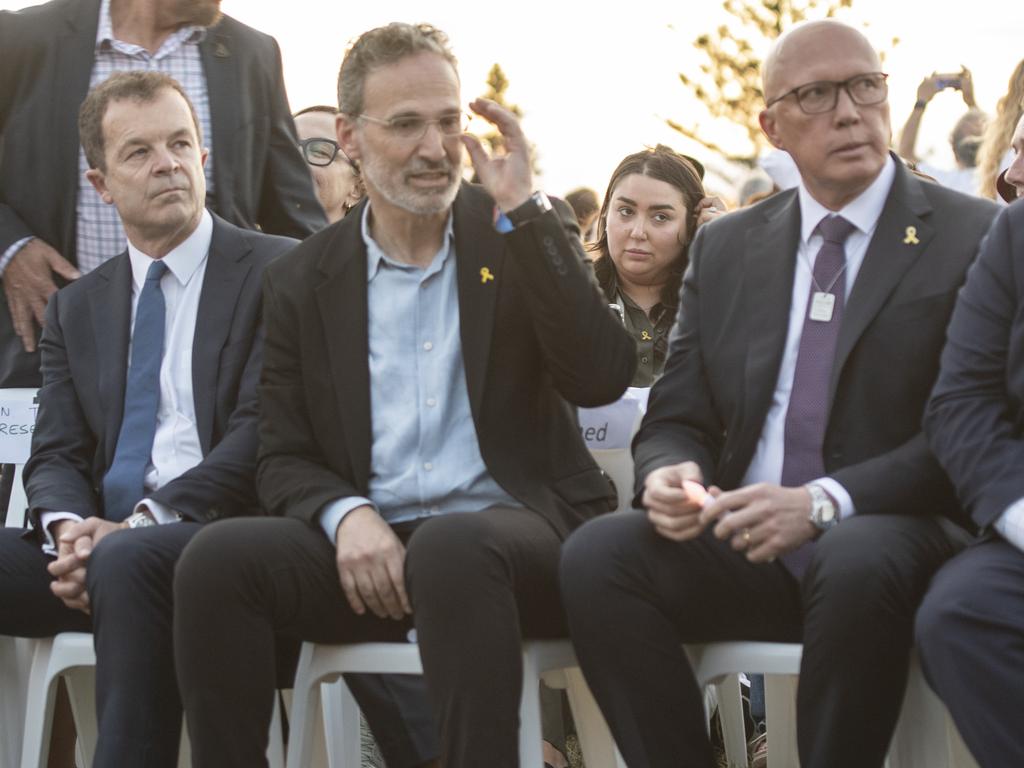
(111, 314)
(478, 246)
(341, 301)
(769, 263)
(887, 259)
(226, 269)
(222, 84)
(74, 63)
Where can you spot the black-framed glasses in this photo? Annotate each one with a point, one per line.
(414, 127)
(321, 152)
(822, 96)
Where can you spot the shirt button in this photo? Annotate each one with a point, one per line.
(428, 466)
(431, 402)
(428, 345)
(643, 359)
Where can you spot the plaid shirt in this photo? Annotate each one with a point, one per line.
(100, 235)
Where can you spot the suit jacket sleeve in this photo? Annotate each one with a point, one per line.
(973, 419)
(288, 204)
(288, 447)
(222, 484)
(681, 423)
(588, 353)
(58, 473)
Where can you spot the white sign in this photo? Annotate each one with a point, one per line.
(17, 422)
(611, 427)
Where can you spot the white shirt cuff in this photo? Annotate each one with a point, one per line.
(334, 512)
(1010, 524)
(159, 512)
(11, 252)
(46, 519)
(840, 494)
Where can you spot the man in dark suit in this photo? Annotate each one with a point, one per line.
(422, 358)
(970, 628)
(147, 414)
(808, 339)
(50, 226)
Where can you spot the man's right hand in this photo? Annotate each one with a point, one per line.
(371, 564)
(669, 507)
(28, 284)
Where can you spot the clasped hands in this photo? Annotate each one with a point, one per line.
(763, 520)
(76, 540)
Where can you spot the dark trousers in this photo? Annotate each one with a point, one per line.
(970, 634)
(128, 578)
(478, 584)
(632, 597)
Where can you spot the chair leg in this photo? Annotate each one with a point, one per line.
(531, 753)
(596, 742)
(341, 726)
(304, 709)
(35, 746)
(780, 715)
(81, 685)
(730, 715)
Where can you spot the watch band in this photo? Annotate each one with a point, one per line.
(536, 204)
(824, 510)
(139, 520)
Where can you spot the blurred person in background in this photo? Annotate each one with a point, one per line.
(994, 154)
(585, 205)
(654, 204)
(1010, 183)
(336, 178)
(966, 136)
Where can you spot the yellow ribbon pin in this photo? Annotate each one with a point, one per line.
(485, 275)
(911, 238)
(645, 336)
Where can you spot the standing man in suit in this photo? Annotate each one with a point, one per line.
(422, 360)
(146, 426)
(52, 228)
(808, 339)
(970, 629)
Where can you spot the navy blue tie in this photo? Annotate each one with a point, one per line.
(123, 483)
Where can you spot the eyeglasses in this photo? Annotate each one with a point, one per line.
(823, 95)
(414, 127)
(321, 152)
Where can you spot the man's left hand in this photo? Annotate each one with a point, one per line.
(764, 520)
(508, 178)
(74, 546)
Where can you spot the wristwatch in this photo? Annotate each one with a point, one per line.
(139, 520)
(536, 205)
(824, 513)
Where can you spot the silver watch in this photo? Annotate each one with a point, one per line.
(824, 513)
(139, 520)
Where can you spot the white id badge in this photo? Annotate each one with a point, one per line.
(822, 305)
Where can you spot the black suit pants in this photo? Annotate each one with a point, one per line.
(970, 634)
(478, 583)
(632, 597)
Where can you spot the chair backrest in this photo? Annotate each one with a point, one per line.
(17, 422)
(608, 432)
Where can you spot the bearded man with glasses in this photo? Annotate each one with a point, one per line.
(808, 338)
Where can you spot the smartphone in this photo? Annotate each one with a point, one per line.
(948, 81)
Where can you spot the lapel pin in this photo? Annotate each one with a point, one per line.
(221, 51)
(485, 275)
(645, 336)
(911, 238)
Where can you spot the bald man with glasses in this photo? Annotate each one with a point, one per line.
(335, 177)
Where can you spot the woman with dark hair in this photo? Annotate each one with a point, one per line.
(654, 204)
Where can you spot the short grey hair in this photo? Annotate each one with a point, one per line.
(383, 46)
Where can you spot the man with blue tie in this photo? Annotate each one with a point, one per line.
(809, 333)
(146, 426)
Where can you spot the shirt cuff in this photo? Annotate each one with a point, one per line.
(11, 252)
(1010, 524)
(46, 519)
(159, 512)
(840, 494)
(334, 512)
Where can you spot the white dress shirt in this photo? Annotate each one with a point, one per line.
(863, 212)
(176, 446)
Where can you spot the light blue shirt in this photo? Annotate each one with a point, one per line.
(425, 459)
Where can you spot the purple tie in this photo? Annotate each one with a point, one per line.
(807, 415)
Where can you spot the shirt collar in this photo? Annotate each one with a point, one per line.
(105, 31)
(863, 211)
(375, 255)
(183, 261)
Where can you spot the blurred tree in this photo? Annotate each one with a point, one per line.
(497, 85)
(729, 86)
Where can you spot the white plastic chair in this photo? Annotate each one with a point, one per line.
(320, 664)
(925, 736)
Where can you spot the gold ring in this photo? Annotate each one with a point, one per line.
(746, 537)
